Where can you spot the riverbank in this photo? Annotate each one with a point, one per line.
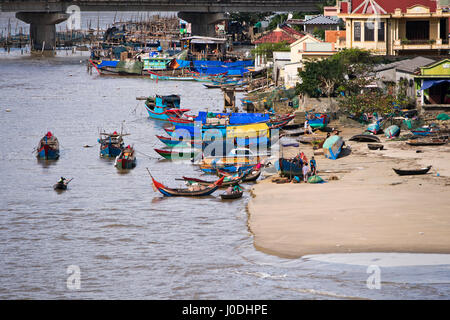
(368, 209)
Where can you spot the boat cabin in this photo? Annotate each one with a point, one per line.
(433, 87)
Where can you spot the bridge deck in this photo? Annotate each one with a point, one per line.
(161, 5)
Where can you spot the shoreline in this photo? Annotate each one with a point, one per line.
(368, 209)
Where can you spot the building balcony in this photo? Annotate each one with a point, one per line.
(433, 44)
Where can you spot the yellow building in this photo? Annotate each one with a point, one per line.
(400, 27)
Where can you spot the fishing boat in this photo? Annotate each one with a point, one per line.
(232, 195)
(171, 142)
(226, 168)
(178, 153)
(252, 174)
(425, 131)
(318, 120)
(289, 167)
(211, 78)
(48, 147)
(438, 141)
(126, 159)
(411, 172)
(332, 147)
(62, 184)
(164, 107)
(365, 138)
(392, 131)
(227, 181)
(117, 67)
(192, 191)
(160, 77)
(220, 121)
(374, 128)
(181, 142)
(111, 144)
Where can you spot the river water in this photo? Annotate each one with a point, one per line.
(128, 241)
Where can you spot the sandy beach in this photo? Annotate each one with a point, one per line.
(368, 209)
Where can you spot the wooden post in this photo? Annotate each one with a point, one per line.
(229, 99)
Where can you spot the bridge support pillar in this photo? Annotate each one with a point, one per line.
(203, 24)
(42, 28)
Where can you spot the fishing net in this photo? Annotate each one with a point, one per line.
(315, 179)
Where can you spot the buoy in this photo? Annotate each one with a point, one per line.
(8, 110)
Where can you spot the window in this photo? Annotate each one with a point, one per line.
(369, 31)
(357, 31)
(417, 30)
(380, 31)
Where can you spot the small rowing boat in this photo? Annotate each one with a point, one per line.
(232, 195)
(411, 172)
(126, 159)
(48, 147)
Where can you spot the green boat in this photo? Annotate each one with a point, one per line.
(178, 153)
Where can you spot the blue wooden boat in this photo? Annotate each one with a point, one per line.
(392, 131)
(318, 120)
(111, 144)
(48, 147)
(332, 147)
(158, 77)
(425, 131)
(164, 107)
(289, 167)
(173, 142)
(374, 128)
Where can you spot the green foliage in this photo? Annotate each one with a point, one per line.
(282, 18)
(320, 77)
(249, 18)
(266, 49)
(368, 102)
(347, 71)
(319, 33)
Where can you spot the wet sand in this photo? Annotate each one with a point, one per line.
(369, 209)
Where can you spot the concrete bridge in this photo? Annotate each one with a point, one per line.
(43, 15)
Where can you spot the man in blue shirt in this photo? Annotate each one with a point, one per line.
(313, 166)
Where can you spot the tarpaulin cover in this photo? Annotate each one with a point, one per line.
(235, 118)
(177, 64)
(210, 64)
(250, 130)
(107, 63)
(430, 83)
(219, 70)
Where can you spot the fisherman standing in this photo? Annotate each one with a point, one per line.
(313, 165)
(305, 171)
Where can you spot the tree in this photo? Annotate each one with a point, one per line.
(249, 18)
(266, 49)
(319, 33)
(321, 78)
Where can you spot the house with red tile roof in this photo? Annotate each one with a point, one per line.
(400, 27)
(282, 34)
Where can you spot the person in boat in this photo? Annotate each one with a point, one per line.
(62, 180)
(306, 171)
(236, 188)
(313, 166)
